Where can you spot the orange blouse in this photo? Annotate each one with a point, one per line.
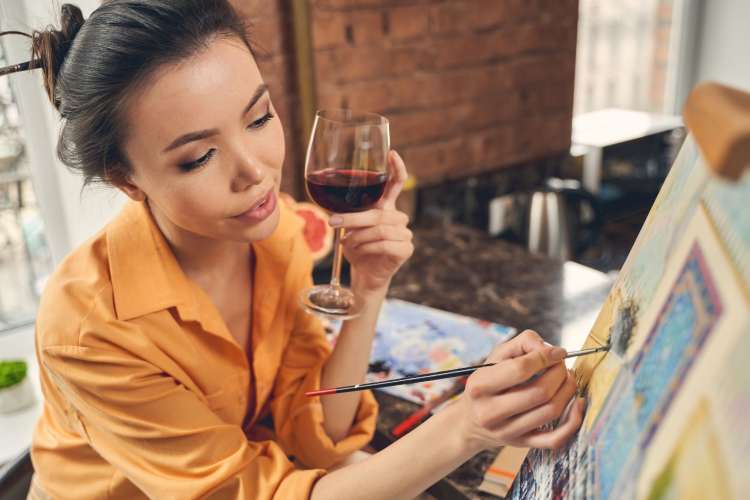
(146, 390)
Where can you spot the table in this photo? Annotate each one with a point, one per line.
(463, 270)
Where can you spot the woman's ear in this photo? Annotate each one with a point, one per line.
(124, 182)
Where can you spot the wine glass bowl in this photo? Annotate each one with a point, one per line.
(346, 170)
(344, 191)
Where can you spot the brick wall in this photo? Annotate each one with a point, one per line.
(469, 86)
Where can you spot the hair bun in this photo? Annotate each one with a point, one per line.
(51, 46)
(71, 20)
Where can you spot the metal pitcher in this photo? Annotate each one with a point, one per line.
(562, 219)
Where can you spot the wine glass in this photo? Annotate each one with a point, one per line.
(346, 170)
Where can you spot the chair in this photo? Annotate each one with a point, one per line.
(15, 477)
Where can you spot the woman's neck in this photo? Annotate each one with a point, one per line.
(198, 255)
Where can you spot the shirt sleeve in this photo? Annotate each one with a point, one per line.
(162, 436)
(298, 419)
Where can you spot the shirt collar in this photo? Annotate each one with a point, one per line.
(145, 274)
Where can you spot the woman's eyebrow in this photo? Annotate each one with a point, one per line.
(262, 88)
(190, 137)
(202, 134)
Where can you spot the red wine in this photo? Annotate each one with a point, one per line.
(343, 191)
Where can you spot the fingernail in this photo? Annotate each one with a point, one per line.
(557, 353)
(335, 220)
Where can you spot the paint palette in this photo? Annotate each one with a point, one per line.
(411, 339)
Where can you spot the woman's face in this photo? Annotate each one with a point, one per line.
(205, 146)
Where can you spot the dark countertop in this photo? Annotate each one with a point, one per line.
(462, 270)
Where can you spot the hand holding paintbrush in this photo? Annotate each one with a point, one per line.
(415, 418)
(524, 387)
(510, 402)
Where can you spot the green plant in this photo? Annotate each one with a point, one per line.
(11, 373)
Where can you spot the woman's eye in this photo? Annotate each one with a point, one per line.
(261, 121)
(192, 165)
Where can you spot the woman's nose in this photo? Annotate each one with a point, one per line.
(249, 173)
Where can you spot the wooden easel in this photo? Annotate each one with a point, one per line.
(719, 119)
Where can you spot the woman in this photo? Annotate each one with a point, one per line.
(173, 354)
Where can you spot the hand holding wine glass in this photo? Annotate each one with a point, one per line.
(377, 242)
(347, 172)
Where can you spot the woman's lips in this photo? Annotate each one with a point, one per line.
(261, 210)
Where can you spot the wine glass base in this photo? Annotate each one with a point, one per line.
(331, 302)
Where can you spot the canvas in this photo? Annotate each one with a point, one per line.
(666, 405)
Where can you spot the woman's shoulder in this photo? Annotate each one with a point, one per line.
(79, 286)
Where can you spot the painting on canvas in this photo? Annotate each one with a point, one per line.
(673, 320)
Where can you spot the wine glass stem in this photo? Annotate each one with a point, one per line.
(337, 255)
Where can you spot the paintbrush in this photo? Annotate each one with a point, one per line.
(456, 372)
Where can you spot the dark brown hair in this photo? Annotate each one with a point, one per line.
(91, 67)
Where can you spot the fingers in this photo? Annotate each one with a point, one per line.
(399, 250)
(525, 342)
(369, 218)
(545, 413)
(396, 179)
(511, 372)
(559, 436)
(357, 237)
(523, 398)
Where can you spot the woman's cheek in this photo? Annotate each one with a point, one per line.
(205, 200)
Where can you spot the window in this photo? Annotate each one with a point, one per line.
(623, 55)
(25, 260)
